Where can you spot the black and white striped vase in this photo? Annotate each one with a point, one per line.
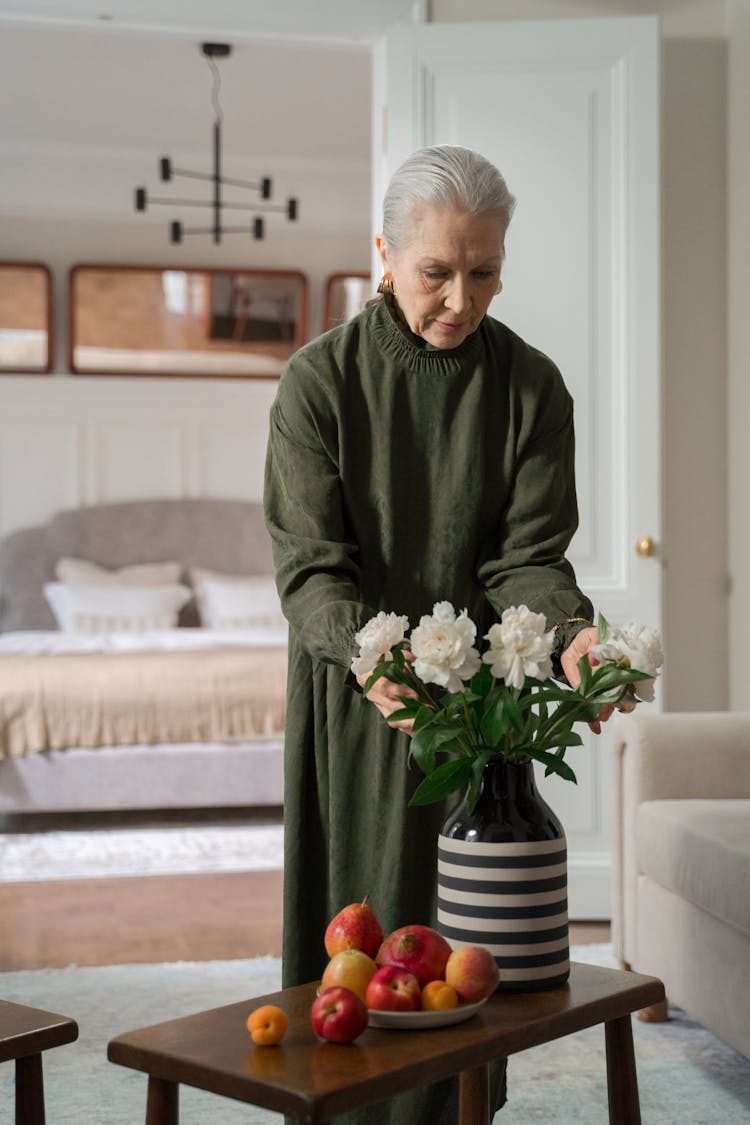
(502, 879)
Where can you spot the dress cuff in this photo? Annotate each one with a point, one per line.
(565, 631)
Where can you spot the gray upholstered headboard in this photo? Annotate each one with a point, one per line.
(223, 535)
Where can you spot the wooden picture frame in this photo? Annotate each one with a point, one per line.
(190, 322)
(27, 339)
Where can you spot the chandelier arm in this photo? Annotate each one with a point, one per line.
(209, 230)
(260, 186)
(192, 175)
(180, 202)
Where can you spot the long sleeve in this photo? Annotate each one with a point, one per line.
(315, 556)
(526, 563)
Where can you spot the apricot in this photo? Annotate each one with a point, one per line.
(267, 1025)
(437, 996)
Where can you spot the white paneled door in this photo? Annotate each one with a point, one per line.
(569, 111)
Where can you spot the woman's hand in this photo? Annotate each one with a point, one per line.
(384, 694)
(581, 645)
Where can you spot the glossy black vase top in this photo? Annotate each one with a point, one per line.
(509, 809)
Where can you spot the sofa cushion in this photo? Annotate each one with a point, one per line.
(700, 850)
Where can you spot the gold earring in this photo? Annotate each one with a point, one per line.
(386, 286)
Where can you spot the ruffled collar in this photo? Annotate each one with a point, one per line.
(395, 338)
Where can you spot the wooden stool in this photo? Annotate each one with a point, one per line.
(316, 1081)
(24, 1034)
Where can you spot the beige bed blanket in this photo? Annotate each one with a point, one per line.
(118, 699)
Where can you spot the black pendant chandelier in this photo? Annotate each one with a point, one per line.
(168, 172)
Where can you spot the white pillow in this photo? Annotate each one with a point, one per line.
(232, 601)
(81, 572)
(115, 609)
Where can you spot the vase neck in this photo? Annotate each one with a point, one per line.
(510, 781)
(508, 808)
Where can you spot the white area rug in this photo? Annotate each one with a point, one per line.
(105, 853)
(685, 1075)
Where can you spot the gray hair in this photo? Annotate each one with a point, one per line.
(443, 176)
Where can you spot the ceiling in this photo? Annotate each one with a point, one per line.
(325, 20)
(89, 104)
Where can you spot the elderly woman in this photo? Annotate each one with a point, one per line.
(418, 453)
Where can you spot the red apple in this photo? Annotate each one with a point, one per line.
(338, 1015)
(355, 926)
(393, 989)
(424, 952)
(472, 971)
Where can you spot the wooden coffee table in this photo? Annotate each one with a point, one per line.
(24, 1034)
(314, 1081)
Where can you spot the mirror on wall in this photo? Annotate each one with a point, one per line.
(346, 295)
(26, 343)
(154, 320)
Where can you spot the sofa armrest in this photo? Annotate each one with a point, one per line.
(660, 757)
(683, 755)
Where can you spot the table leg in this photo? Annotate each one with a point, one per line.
(162, 1107)
(622, 1083)
(29, 1091)
(474, 1096)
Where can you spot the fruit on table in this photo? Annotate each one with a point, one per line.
(267, 1025)
(350, 969)
(437, 996)
(356, 926)
(393, 989)
(338, 1015)
(419, 949)
(473, 972)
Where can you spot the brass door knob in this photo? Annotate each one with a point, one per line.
(645, 547)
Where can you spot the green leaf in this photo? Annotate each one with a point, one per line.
(514, 713)
(425, 715)
(552, 763)
(483, 681)
(408, 711)
(567, 738)
(426, 743)
(446, 779)
(477, 770)
(546, 695)
(586, 672)
(604, 630)
(495, 721)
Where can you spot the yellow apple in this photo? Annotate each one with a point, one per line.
(350, 969)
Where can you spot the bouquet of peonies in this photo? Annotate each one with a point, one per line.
(503, 704)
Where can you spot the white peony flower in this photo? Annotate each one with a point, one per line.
(520, 647)
(442, 647)
(636, 646)
(376, 640)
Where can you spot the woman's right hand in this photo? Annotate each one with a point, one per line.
(385, 695)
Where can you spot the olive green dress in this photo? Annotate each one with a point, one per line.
(399, 475)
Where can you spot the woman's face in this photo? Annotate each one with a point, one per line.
(446, 276)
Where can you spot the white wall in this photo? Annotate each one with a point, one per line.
(694, 550)
(739, 351)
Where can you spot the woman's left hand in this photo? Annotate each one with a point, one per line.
(581, 645)
(388, 698)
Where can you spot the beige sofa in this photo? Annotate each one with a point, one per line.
(681, 907)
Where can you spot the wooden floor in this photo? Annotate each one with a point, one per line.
(153, 919)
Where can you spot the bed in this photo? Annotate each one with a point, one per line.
(185, 712)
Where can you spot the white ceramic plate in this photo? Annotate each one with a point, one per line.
(421, 1021)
